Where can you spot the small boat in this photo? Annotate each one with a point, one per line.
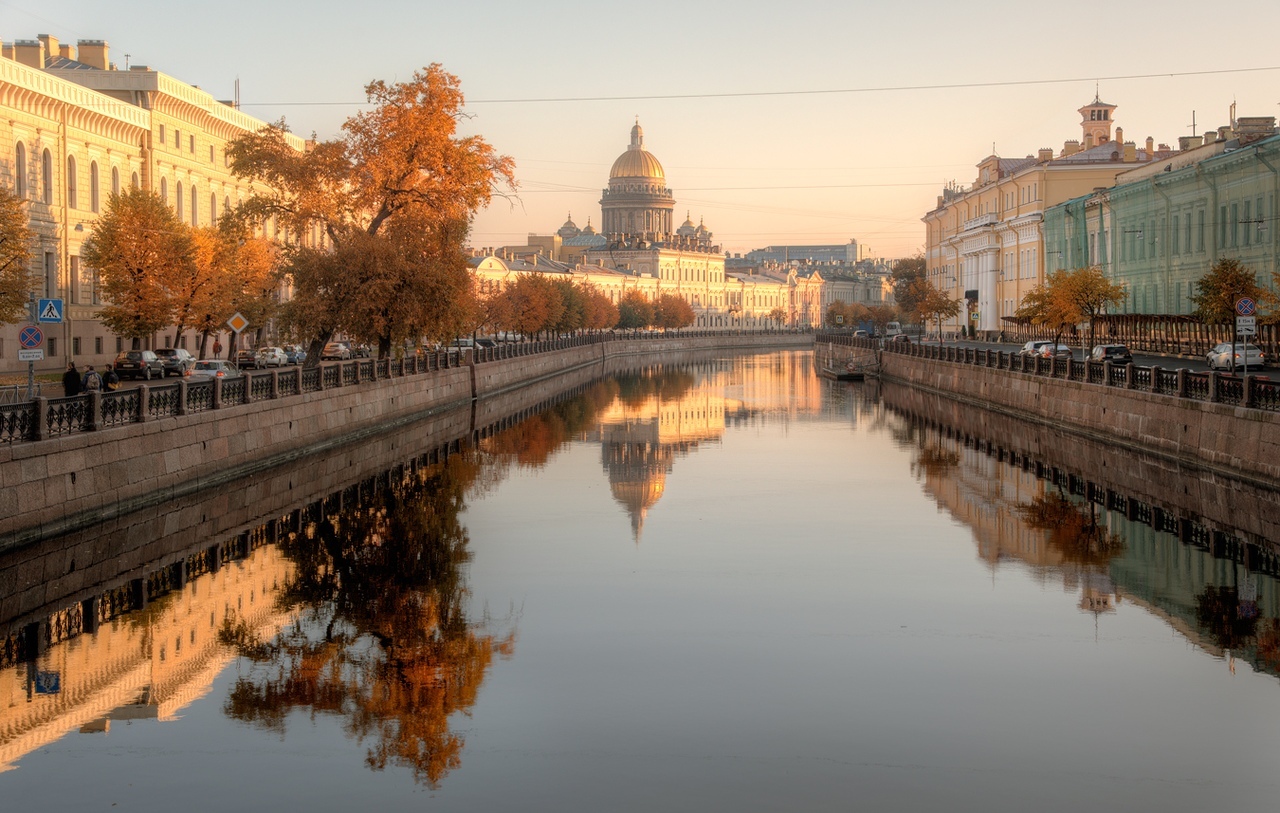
(853, 370)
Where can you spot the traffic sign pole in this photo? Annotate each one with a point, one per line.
(31, 365)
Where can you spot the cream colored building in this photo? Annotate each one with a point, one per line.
(73, 130)
(985, 242)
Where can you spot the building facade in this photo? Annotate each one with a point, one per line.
(75, 130)
(1163, 226)
(985, 243)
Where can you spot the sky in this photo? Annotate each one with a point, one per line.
(798, 123)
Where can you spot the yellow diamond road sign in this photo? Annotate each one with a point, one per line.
(238, 323)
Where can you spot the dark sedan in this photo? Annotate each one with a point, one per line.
(142, 364)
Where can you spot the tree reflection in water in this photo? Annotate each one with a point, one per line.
(382, 638)
(1073, 530)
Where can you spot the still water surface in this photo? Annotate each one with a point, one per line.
(723, 585)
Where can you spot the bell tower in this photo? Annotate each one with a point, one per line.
(1095, 119)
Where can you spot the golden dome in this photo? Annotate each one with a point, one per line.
(637, 162)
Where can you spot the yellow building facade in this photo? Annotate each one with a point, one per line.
(984, 243)
(73, 130)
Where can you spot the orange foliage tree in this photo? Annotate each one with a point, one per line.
(399, 174)
(672, 312)
(16, 239)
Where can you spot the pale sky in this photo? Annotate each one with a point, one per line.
(801, 167)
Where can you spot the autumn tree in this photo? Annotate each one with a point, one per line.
(1068, 297)
(1224, 283)
(573, 307)
(532, 304)
(777, 316)
(16, 238)
(881, 316)
(635, 311)
(599, 312)
(403, 162)
(933, 305)
(848, 314)
(672, 312)
(907, 275)
(143, 255)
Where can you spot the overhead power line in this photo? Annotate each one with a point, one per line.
(747, 94)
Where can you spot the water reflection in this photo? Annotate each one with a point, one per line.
(381, 638)
(1221, 592)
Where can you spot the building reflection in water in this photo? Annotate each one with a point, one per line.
(1222, 595)
(146, 664)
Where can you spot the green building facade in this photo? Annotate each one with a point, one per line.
(1161, 228)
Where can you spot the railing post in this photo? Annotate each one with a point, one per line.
(1247, 391)
(181, 409)
(1106, 373)
(1155, 380)
(1129, 377)
(217, 393)
(1070, 366)
(41, 428)
(144, 403)
(275, 384)
(1213, 386)
(357, 364)
(297, 375)
(94, 411)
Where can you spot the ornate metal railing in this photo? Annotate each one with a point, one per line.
(260, 388)
(162, 401)
(120, 407)
(66, 415)
(18, 422)
(1253, 391)
(199, 396)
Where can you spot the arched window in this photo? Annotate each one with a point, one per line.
(213, 208)
(177, 196)
(226, 203)
(195, 207)
(115, 180)
(133, 181)
(164, 190)
(93, 186)
(46, 179)
(20, 164)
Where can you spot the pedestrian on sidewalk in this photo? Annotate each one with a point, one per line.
(71, 380)
(92, 381)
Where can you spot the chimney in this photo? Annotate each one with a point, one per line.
(94, 53)
(1224, 132)
(1120, 134)
(67, 52)
(1130, 152)
(50, 43)
(1070, 147)
(1088, 141)
(29, 53)
(1046, 154)
(1189, 142)
(1151, 146)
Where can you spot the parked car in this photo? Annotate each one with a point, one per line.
(335, 351)
(1032, 348)
(139, 364)
(1221, 356)
(245, 359)
(270, 357)
(1114, 353)
(486, 343)
(209, 369)
(176, 360)
(1049, 350)
(295, 353)
(861, 334)
(361, 351)
(900, 338)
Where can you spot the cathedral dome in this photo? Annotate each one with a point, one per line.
(637, 162)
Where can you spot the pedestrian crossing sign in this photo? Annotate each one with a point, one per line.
(49, 310)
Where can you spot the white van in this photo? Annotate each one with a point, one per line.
(892, 329)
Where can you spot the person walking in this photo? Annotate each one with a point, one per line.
(111, 379)
(71, 381)
(92, 381)
(217, 349)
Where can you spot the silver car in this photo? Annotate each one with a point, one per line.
(1222, 356)
(209, 369)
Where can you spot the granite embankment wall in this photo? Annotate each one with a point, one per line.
(76, 481)
(1232, 441)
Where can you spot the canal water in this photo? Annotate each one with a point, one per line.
(724, 584)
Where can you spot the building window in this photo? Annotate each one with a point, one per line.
(50, 274)
(115, 180)
(75, 345)
(53, 346)
(71, 181)
(213, 208)
(133, 181)
(93, 186)
(177, 196)
(1248, 218)
(119, 344)
(20, 165)
(191, 142)
(73, 291)
(97, 345)
(210, 153)
(161, 133)
(1176, 230)
(164, 190)
(195, 207)
(1222, 226)
(46, 182)
(177, 138)
(1235, 224)
(97, 288)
